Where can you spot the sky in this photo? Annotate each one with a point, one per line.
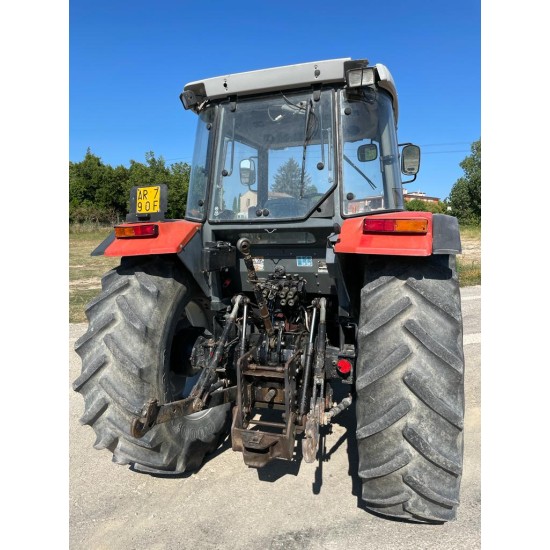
(129, 61)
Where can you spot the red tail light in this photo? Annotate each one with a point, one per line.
(136, 231)
(343, 366)
(391, 225)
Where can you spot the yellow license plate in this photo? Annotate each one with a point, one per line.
(148, 200)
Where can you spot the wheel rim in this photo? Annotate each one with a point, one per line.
(179, 378)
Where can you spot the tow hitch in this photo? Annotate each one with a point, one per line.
(270, 362)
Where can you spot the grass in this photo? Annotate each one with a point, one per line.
(469, 272)
(85, 271)
(471, 232)
(469, 262)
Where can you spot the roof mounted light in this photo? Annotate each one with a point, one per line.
(188, 99)
(358, 73)
(193, 96)
(363, 76)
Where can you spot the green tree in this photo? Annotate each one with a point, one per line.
(178, 185)
(288, 180)
(112, 192)
(418, 205)
(155, 172)
(85, 178)
(101, 193)
(96, 191)
(465, 196)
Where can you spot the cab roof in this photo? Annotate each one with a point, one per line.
(196, 93)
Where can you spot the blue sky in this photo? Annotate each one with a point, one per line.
(129, 61)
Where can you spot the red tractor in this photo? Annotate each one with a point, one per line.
(296, 272)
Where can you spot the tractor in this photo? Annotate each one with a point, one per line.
(296, 271)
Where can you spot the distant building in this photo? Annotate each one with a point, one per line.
(421, 196)
(247, 200)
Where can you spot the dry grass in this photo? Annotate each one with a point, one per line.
(469, 262)
(85, 271)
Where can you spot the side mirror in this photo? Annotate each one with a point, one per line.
(247, 172)
(410, 160)
(367, 153)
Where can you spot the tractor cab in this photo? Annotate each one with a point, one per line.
(282, 145)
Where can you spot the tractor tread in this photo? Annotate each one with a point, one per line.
(410, 388)
(120, 352)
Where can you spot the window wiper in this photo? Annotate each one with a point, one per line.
(349, 161)
(310, 115)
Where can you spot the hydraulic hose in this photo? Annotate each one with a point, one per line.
(243, 245)
(208, 376)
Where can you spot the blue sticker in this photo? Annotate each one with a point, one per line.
(304, 261)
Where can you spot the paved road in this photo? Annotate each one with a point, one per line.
(285, 505)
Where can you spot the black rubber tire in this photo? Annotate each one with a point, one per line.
(410, 388)
(126, 361)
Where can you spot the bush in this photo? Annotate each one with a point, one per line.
(465, 196)
(93, 215)
(417, 205)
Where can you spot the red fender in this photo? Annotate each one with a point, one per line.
(171, 237)
(353, 240)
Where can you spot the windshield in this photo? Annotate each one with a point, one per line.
(285, 143)
(370, 164)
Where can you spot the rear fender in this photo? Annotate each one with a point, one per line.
(171, 237)
(441, 237)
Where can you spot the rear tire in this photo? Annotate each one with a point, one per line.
(129, 356)
(410, 388)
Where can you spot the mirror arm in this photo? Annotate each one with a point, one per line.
(408, 181)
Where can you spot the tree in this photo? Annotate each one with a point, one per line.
(100, 193)
(85, 178)
(96, 191)
(465, 196)
(155, 172)
(178, 185)
(288, 180)
(418, 205)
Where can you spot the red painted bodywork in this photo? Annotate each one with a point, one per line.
(172, 237)
(352, 240)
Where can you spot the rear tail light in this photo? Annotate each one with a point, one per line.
(343, 366)
(136, 231)
(390, 225)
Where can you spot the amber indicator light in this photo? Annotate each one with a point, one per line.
(136, 231)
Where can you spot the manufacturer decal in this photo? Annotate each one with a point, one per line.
(304, 261)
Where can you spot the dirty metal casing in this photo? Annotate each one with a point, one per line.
(260, 447)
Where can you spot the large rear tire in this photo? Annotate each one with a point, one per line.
(140, 333)
(410, 388)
